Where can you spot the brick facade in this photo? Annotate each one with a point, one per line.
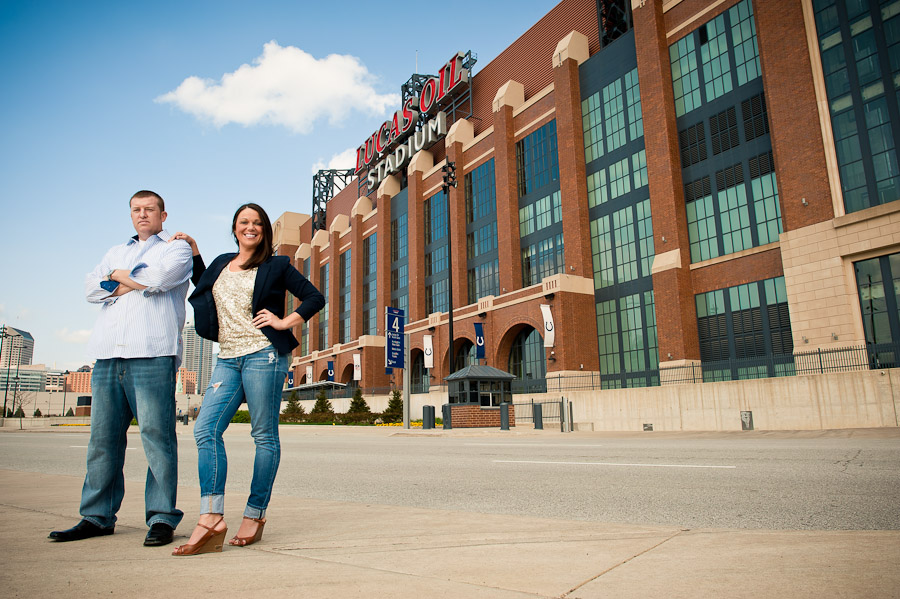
(525, 87)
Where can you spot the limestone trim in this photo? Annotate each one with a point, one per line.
(535, 121)
(362, 207)
(867, 214)
(369, 231)
(345, 247)
(666, 261)
(481, 136)
(389, 187)
(469, 164)
(422, 161)
(372, 214)
(461, 131)
(693, 18)
(511, 93)
(555, 284)
(320, 239)
(340, 224)
(820, 278)
(303, 252)
(574, 46)
(533, 100)
(667, 4)
(734, 256)
(831, 164)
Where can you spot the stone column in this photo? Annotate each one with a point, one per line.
(676, 316)
(509, 97)
(571, 51)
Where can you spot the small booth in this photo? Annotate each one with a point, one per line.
(481, 396)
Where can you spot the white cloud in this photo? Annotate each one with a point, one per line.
(68, 336)
(284, 86)
(343, 160)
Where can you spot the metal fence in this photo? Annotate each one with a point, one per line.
(819, 361)
(550, 410)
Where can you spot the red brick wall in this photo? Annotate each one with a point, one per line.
(793, 116)
(474, 416)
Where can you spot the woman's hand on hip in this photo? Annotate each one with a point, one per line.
(264, 318)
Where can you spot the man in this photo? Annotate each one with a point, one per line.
(141, 286)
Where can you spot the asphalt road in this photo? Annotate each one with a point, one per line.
(840, 480)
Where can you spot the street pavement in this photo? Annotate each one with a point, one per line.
(321, 548)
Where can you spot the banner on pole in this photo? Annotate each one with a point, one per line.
(427, 341)
(331, 371)
(357, 368)
(549, 332)
(394, 332)
(479, 341)
(309, 373)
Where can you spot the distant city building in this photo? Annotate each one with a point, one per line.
(197, 355)
(25, 378)
(79, 382)
(17, 348)
(187, 381)
(54, 380)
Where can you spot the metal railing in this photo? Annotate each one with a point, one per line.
(819, 361)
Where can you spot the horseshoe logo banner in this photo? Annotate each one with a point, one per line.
(549, 332)
(429, 351)
(479, 341)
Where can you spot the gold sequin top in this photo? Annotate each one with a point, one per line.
(233, 293)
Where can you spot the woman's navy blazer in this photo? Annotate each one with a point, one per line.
(274, 277)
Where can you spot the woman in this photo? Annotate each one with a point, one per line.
(238, 301)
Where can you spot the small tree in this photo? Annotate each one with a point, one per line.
(359, 410)
(20, 413)
(70, 412)
(358, 405)
(394, 411)
(323, 410)
(37, 413)
(293, 411)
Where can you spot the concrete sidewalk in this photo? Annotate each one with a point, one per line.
(314, 548)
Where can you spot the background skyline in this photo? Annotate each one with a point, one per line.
(210, 104)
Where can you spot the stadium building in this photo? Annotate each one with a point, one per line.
(647, 192)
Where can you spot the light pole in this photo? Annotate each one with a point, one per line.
(3, 336)
(449, 171)
(65, 388)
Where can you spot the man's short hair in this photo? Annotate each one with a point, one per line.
(149, 194)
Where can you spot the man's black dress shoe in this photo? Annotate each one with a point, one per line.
(160, 534)
(82, 530)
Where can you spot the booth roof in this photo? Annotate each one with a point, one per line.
(476, 371)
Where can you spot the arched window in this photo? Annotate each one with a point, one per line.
(465, 355)
(526, 357)
(419, 376)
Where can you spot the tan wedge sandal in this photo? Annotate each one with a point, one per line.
(210, 542)
(244, 541)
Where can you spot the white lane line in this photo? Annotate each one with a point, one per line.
(514, 444)
(610, 464)
(85, 447)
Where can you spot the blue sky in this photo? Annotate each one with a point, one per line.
(210, 104)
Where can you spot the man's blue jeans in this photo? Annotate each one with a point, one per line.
(142, 388)
(257, 378)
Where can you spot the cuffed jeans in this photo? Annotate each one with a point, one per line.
(257, 378)
(141, 388)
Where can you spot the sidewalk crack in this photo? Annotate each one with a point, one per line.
(622, 563)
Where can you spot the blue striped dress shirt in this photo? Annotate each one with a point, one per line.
(143, 323)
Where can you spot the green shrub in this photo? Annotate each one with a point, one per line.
(394, 411)
(37, 413)
(293, 411)
(242, 416)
